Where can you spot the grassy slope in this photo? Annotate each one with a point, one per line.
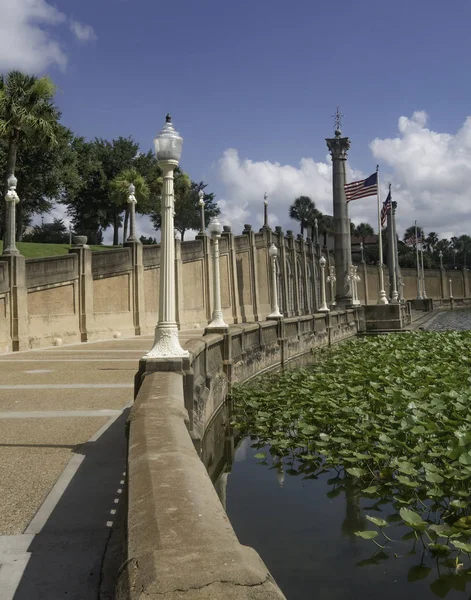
(32, 250)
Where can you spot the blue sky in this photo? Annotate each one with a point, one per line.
(263, 78)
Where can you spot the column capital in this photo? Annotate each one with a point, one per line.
(338, 147)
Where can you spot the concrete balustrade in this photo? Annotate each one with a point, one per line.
(89, 295)
(180, 542)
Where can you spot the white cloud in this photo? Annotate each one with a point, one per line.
(430, 173)
(84, 33)
(246, 182)
(28, 35)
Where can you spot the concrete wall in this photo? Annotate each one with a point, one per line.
(90, 295)
(5, 303)
(180, 543)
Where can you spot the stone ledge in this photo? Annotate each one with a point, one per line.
(180, 541)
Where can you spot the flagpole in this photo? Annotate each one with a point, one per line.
(382, 299)
(419, 287)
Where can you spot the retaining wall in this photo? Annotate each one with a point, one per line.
(89, 295)
(180, 542)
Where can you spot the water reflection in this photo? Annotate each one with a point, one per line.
(303, 526)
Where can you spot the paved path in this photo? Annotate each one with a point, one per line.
(457, 320)
(62, 464)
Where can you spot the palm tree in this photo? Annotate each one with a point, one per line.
(26, 113)
(410, 233)
(431, 241)
(302, 210)
(364, 230)
(120, 192)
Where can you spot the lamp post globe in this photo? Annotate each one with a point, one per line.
(12, 182)
(201, 198)
(322, 261)
(215, 227)
(168, 144)
(273, 251)
(131, 189)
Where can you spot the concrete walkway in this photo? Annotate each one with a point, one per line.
(62, 464)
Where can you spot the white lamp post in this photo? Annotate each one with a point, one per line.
(215, 230)
(440, 255)
(362, 250)
(201, 203)
(356, 280)
(275, 309)
(265, 211)
(168, 148)
(323, 307)
(132, 213)
(316, 231)
(450, 282)
(332, 279)
(12, 200)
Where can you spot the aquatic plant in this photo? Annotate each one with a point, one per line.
(392, 415)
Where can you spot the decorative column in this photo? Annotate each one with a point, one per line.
(356, 280)
(331, 279)
(338, 147)
(424, 294)
(201, 203)
(323, 306)
(168, 147)
(275, 309)
(217, 323)
(132, 214)
(316, 232)
(12, 200)
(393, 295)
(442, 275)
(351, 279)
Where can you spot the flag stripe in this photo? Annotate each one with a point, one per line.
(361, 189)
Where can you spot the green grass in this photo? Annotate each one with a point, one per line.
(34, 250)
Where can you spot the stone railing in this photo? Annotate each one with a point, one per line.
(180, 541)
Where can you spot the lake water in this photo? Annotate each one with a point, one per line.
(304, 531)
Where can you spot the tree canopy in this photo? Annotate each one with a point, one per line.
(90, 178)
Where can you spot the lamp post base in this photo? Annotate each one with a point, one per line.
(382, 298)
(166, 344)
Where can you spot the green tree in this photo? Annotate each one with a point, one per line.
(27, 114)
(147, 241)
(302, 210)
(465, 248)
(364, 230)
(115, 157)
(43, 174)
(431, 241)
(410, 233)
(187, 209)
(86, 188)
(89, 198)
(49, 233)
(120, 192)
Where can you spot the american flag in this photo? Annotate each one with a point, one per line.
(385, 209)
(410, 241)
(363, 188)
